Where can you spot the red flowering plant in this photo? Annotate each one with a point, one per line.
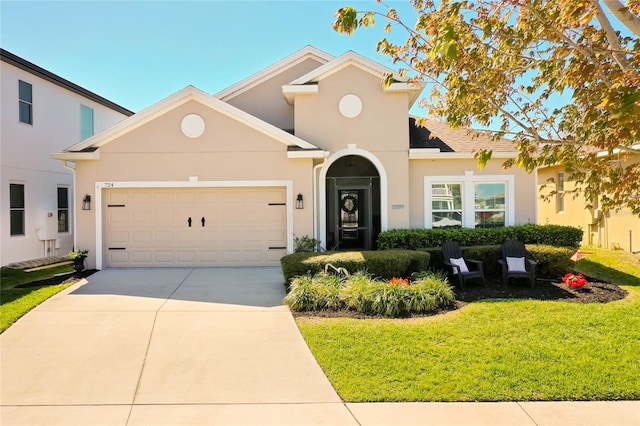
(402, 282)
(575, 281)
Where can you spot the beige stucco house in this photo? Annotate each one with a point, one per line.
(312, 145)
(609, 229)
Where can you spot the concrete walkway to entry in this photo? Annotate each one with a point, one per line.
(205, 346)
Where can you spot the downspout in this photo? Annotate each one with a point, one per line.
(315, 197)
(73, 172)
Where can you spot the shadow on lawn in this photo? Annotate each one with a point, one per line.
(589, 267)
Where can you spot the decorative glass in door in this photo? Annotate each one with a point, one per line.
(349, 214)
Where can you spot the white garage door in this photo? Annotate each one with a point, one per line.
(194, 227)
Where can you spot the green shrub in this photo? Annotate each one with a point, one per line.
(552, 261)
(384, 264)
(305, 244)
(364, 294)
(413, 239)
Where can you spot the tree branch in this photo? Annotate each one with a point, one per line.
(621, 12)
(612, 37)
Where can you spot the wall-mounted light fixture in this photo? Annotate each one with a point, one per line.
(299, 202)
(86, 202)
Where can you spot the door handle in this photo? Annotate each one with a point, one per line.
(202, 220)
(189, 221)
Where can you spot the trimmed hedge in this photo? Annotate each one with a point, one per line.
(414, 239)
(384, 264)
(552, 261)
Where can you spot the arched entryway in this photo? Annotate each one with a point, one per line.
(353, 212)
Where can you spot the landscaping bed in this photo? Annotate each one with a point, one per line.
(546, 289)
(69, 278)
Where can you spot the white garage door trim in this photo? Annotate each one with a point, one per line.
(193, 182)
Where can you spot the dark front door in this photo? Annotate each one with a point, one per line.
(353, 204)
(353, 218)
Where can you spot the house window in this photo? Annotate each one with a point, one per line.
(469, 201)
(489, 205)
(86, 122)
(25, 102)
(446, 205)
(16, 208)
(560, 193)
(63, 209)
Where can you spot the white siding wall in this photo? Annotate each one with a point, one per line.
(24, 157)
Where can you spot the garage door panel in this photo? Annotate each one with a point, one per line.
(142, 257)
(274, 255)
(152, 226)
(118, 237)
(164, 237)
(164, 257)
(118, 258)
(141, 197)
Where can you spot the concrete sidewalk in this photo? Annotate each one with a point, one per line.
(191, 346)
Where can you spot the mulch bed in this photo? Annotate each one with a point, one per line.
(60, 279)
(546, 289)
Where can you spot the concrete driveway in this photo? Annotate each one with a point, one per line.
(165, 346)
(207, 346)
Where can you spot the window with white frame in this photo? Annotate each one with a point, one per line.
(86, 122)
(469, 201)
(25, 102)
(16, 208)
(489, 204)
(446, 205)
(63, 209)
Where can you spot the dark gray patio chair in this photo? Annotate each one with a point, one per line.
(515, 264)
(461, 269)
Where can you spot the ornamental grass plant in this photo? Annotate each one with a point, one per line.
(363, 294)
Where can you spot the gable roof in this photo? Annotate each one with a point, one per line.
(87, 149)
(436, 138)
(42, 73)
(304, 83)
(307, 52)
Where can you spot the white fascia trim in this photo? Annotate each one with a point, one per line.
(290, 91)
(306, 154)
(635, 147)
(435, 154)
(308, 52)
(349, 58)
(75, 156)
(413, 89)
(468, 193)
(288, 184)
(322, 191)
(179, 98)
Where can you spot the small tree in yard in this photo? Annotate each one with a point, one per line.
(561, 78)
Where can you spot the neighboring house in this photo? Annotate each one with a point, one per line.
(41, 113)
(612, 230)
(312, 145)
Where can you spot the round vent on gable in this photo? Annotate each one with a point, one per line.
(192, 125)
(350, 106)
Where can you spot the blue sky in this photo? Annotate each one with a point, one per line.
(136, 53)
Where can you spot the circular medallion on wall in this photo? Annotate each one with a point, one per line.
(350, 106)
(192, 125)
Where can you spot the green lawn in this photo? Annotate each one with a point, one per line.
(15, 302)
(493, 350)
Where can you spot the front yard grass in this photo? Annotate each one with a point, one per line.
(15, 302)
(493, 350)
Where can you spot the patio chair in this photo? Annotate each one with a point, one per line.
(515, 264)
(458, 267)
